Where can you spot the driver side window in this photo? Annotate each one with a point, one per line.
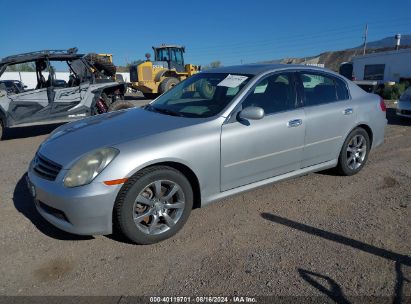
(274, 94)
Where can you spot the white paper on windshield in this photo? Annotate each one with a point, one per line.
(232, 81)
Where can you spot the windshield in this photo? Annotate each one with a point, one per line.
(162, 55)
(202, 95)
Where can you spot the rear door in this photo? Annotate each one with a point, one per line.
(65, 100)
(67, 97)
(329, 115)
(254, 150)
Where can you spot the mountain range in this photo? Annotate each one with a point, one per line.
(333, 59)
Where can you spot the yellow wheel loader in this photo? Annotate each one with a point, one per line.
(153, 78)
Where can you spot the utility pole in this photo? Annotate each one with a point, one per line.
(365, 39)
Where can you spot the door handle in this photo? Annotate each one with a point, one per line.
(294, 123)
(348, 111)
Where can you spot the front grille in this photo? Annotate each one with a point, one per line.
(45, 168)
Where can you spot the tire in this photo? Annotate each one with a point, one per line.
(144, 185)
(150, 95)
(205, 90)
(2, 131)
(104, 66)
(354, 152)
(120, 105)
(167, 84)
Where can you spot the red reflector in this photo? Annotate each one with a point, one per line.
(382, 105)
(116, 181)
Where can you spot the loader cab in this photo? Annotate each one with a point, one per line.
(172, 54)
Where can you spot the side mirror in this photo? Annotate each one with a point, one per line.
(25, 87)
(251, 113)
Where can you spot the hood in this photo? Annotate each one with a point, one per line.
(71, 141)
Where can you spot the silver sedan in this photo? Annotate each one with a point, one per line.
(404, 104)
(216, 134)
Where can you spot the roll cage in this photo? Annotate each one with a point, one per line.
(78, 64)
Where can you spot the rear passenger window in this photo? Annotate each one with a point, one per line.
(320, 89)
(274, 94)
(342, 91)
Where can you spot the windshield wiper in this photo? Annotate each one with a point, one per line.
(164, 111)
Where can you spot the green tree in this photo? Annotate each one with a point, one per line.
(212, 65)
(215, 64)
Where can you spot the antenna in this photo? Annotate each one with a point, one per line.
(365, 39)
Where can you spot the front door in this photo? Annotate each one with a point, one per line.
(177, 61)
(259, 149)
(29, 106)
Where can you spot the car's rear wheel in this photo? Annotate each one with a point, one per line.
(354, 152)
(153, 205)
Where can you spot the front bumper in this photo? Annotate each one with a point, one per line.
(84, 210)
(404, 113)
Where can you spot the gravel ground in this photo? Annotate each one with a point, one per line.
(314, 235)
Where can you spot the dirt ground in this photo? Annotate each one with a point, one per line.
(319, 234)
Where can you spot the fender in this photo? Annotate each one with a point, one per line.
(161, 161)
(4, 118)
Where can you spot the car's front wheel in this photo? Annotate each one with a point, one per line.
(153, 205)
(354, 152)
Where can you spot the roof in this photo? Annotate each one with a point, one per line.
(256, 69)
(169, 46)
(380, 54)
(50, 54)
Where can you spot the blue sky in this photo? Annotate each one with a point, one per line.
(226, 30)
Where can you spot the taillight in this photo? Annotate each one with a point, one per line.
(382, 105)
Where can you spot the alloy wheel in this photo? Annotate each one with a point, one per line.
(158, 207)
(356, 151)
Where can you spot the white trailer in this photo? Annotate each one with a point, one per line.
(383, 67)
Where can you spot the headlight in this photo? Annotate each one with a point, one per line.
(89, 166)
